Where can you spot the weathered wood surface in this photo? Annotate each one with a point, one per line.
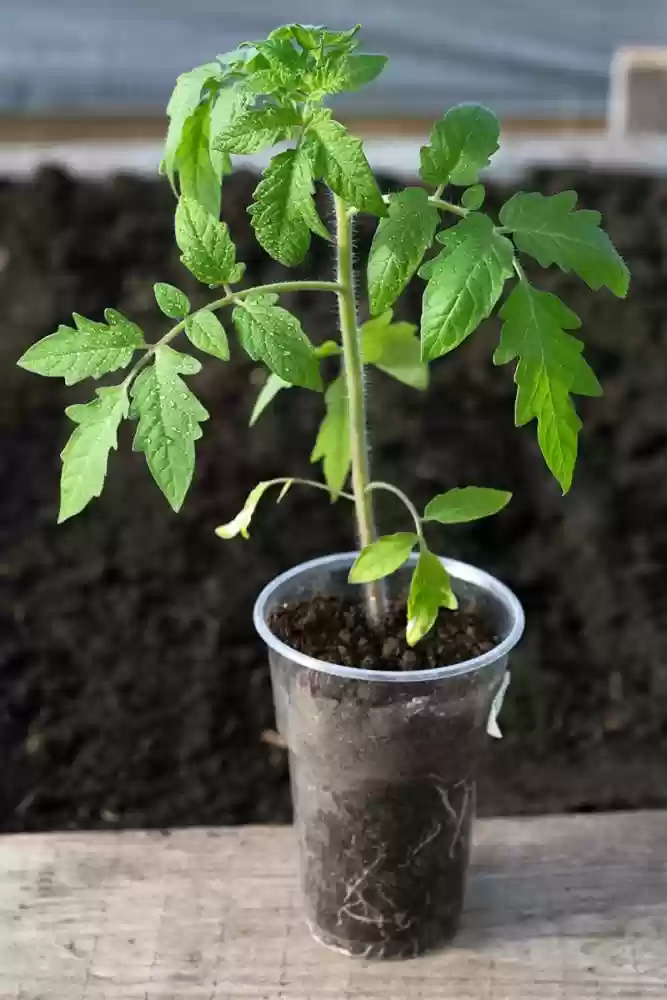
(563, 908)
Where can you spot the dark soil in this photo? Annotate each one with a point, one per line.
(336, 630)
(133, 690)
(384, 780)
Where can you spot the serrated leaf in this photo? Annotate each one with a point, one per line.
(254, 130)
(206, 246)
(199, 177)
(383, 557)
(332, 446)
(550, 368)
(465, 282)
(183, 102)
(466, 503)
(273, 385)
(473, 197)
(394, 348)
(240, 524)
(89, 351)
(550, 230)
(340, 71)
(225, 106)
(171, 300)
(460, 145)
(430, 590)
(283, 212)
(399, 244)
(205, 331)
(169, 418)
(86, 454)
(273, 335)
(341, 160)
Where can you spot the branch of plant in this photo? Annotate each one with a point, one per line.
(449, 206)
(298, 481)
(407, 503)
(229, 299)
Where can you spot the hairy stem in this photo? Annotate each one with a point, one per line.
(229, 299)
(375, 596)
(449, 206)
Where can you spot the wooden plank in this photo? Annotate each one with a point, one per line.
(561, 908)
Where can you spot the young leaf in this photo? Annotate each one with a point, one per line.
(254, 130)
(383, 557)
(172, 301)
(169, 417)
(340, 159)
(460, 144)
(199, 178)
(271, 334)
(240, 524)
(183, 102)
(466, 503)
(224, 108)
(206, 332)
(430, 590)
(89, 351)
(267, 394)
(550, 368)
(394, 348)
(332, 446)
(399, 245)
(550, 230)
(340, 71)
(283, 212)
(473, 197)
(465, 282)
(206, 246)
(86, 454)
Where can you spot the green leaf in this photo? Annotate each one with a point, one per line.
(343, 72)
(394, 348)
(86, 454)
(283, 212)
(254, 130)
(383, 557)
(332, 446)
(460, 144)
(430, 590)
(267, 394)
(550, 230)
(273, 335)
(206, 246)
(206, 332)
(399, 245)
(225, 106)
(183, 102)
(339, 158)
(89, 351)
(550, 368)
(199, 178)
(169, 417)
(171, 300)
(465, 282)
(473, 197)
(240, 524)
(466, 503)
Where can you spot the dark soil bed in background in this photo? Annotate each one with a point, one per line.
(133, 690)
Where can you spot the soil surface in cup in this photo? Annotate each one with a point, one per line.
(384, 775)
(336, 630)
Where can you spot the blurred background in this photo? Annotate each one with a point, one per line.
(133, 691)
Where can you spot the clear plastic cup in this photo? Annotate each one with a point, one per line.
(383, 769)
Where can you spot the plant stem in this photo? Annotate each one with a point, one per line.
(229, 299)
(375, 596)
(407, 503)
(449, 206)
